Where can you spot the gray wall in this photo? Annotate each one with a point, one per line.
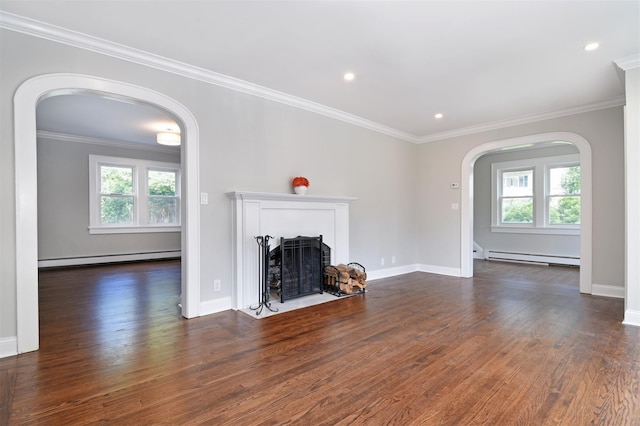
(246, 144)
(562, 245)
(252, 144)
(440, 163)
(63, 204)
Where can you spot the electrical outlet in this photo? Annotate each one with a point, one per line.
(382, 262)
(393, 259)
(217, 285)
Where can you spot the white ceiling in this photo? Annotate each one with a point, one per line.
(105, 120)
(477, 62)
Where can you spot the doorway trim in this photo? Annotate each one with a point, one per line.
(466, 201)
(25, 101)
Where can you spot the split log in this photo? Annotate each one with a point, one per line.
(346, 288)
(360, 275)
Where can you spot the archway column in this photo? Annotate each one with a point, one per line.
(26, 98)
(632, 194)
(466, 202)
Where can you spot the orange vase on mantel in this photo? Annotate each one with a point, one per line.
(300, 185)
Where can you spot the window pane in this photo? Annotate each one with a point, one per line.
(116, 180)
(564, 180)
(517, 183)
(162, 210)
(564, 210)
(517, 210)
(116, 210)
(162, 182)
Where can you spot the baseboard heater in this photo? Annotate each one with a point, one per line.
(110, 258)
(541, 259)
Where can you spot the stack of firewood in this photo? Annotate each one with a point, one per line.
(346, 278)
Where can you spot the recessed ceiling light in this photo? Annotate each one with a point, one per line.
(349, 76)
(591, 46)
(438, 115)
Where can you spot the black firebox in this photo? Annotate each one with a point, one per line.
(296, 266)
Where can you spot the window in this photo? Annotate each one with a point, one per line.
(538, 195)
(130, 195)
(162, 196)
(516, 201)
(563, 195)
(116, 195)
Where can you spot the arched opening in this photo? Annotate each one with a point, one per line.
(466, 205)
(26, 99)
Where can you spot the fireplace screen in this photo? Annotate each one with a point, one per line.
(296, 266)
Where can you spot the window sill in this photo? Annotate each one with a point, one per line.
(535, 230)
(133, 229)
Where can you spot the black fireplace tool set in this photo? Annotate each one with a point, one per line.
(263, 261)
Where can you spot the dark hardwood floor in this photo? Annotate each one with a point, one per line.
(517, 344)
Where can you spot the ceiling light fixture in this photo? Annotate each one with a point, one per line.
(438, 116)
(349, 76)
(169, 139)
(591, 46)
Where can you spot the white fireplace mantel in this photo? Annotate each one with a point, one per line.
(282, 215)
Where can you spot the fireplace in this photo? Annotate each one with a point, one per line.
(296, 267)
(282, 216)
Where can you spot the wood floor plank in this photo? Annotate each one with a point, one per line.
(516, 344)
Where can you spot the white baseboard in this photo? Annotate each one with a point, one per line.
(607, 291)
(8, 346)
(94, 260)
(213, 306)
(390, 272)
(400, 270)
(631, 317)
(440, 270)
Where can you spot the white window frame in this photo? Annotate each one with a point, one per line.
(541, 167)
(140, 195)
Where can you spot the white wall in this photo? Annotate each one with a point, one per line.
(63, 204)
(560, 245)
(440, 164)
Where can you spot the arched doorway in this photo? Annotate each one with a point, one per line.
(26, 98)
(466, 202)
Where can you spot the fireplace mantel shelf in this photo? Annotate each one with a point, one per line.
(267, 196)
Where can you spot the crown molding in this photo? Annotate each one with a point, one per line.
(41, 134)
(61, 35)
(57, 34)
(618, 101)
(628, 62)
